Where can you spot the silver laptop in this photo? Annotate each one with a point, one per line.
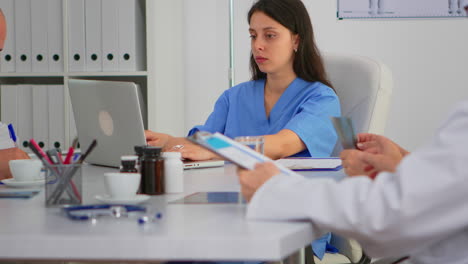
(110, 112)
(113, 113)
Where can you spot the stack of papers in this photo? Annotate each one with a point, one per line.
(305, 164)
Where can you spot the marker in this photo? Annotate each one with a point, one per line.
(90, 148)
(69, 156)
(34, 144)
(12, 134)
(76, 156)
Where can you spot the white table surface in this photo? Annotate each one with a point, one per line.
(28, 230)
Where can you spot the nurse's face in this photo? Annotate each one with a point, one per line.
(272, 44)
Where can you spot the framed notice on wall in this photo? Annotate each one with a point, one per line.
(400, 8)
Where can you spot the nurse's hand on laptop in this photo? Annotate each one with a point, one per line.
(156, 139)
(178, 144)
(188, 149)
(5, 156)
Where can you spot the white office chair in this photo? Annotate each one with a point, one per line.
(364, 87)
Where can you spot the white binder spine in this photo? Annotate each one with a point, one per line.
(93, 10)
(56, 110)
(24, 110)
(8, 104)
(131, 36)
(110, 35)
(71, 121)
(76, 35)
(39, 47)
(23, 35)
(7, 57)
(55, 35)
(40, 115)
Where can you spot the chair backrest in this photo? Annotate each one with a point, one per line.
(364, 87)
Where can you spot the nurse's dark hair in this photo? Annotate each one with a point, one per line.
(292, 14)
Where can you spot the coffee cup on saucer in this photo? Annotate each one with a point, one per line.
(25, 170)
(122, 186)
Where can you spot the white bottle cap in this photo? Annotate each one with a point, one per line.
(176, 155)
(129, 157)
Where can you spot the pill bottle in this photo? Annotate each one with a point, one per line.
(173, 172)
(128, 164)
(152, 171)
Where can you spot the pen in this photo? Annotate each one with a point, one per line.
(12, 133)
(69, 156)
(90, 148)
(76, 156)
(39, 150)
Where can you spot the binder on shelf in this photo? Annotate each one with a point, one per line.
(56, 109)
(131, 36)
(110, 35)
(7, 57)
(40, 115)
(55, 35)
(23, 35)
(71, 122)
(24, 116)
(76, 36)
(8, 104)
(39, 39)
(93, 33)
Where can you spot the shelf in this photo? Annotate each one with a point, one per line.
(70, 74)
(30, 74)
(84, 74)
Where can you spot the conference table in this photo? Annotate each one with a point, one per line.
(186, 232)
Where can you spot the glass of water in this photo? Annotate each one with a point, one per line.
(254, 142)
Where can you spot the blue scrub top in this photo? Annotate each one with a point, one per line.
(304, 107)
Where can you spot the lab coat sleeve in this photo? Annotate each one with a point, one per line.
(423, 202)
(312, 124)
(216, 122)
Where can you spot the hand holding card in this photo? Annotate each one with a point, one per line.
(344, 129)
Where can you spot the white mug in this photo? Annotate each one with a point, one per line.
(25, 169)
(121, 186)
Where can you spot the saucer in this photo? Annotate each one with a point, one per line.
(139, 198)
(23, 184)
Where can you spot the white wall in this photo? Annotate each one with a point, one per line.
(165, 66)
(206, 49)
(428, 57)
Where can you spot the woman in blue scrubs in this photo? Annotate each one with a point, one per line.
(289, 100)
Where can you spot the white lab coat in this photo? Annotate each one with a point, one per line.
(421, 210)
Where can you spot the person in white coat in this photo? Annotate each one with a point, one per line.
(420, 209)
(416, 206)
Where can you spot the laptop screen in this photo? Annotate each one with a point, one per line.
(110, 112)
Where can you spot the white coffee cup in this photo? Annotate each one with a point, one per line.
(121, 186)
(25, 169)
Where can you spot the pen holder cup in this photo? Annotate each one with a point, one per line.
(63, 185)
